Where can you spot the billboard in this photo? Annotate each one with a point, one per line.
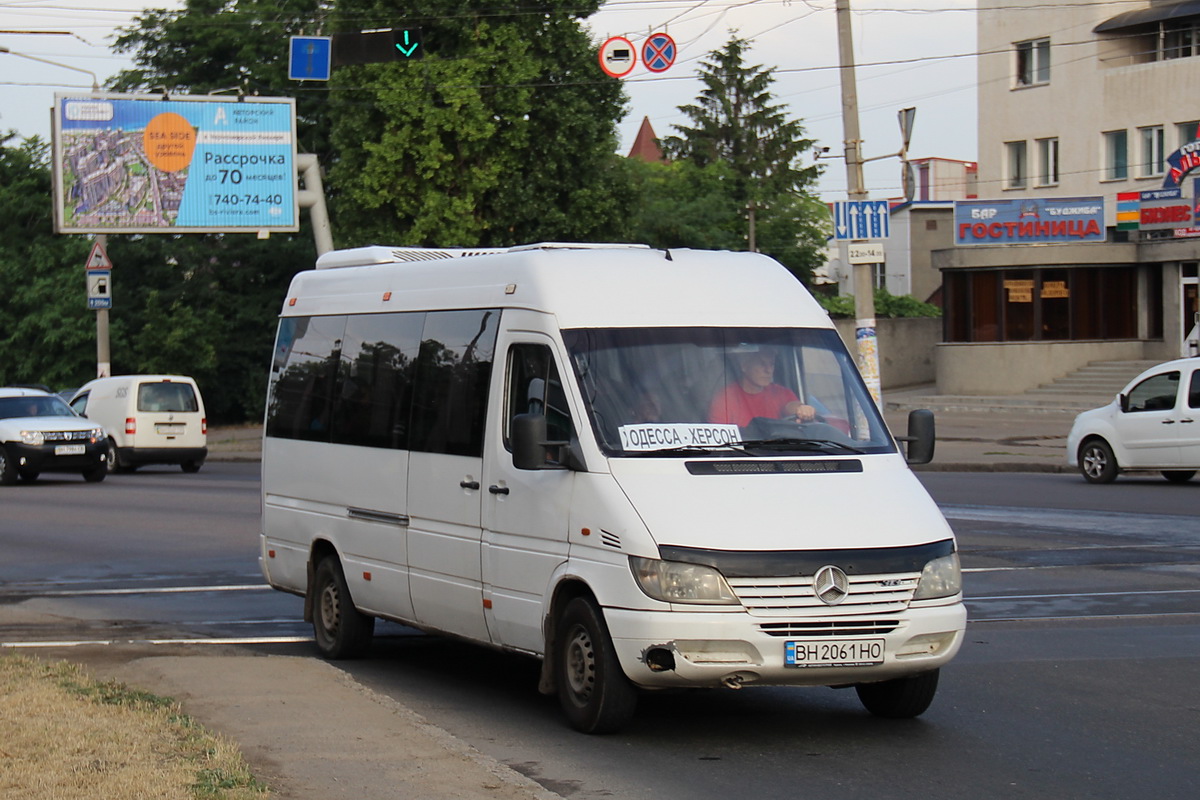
(146, 164)
(1029, 221)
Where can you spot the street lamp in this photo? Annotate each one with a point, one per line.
(95, 80)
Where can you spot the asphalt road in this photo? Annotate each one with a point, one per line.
(1078, 677)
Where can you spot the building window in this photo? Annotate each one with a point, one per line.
(1187, 132)
(1033, 62)
(1049, 304)
(1016, 160)
(1116, 155)
(1180, 40)
(1047, 166)
(1151, 161)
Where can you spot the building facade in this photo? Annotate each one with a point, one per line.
(1077, 100)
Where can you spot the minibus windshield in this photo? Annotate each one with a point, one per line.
(763, 391)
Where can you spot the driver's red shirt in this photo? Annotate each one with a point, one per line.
(733, 404)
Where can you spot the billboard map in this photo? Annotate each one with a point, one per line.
(144, 164)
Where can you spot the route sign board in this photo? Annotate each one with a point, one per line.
(658, 52)
(377, 46)
(861, 219)
(309, 58)
(618, 57)
(187, 164)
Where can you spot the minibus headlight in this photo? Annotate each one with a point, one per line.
(676, 582)
(35, 438)
(940, 578)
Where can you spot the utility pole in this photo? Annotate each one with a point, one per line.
(864, 283)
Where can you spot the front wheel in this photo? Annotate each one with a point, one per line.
(593, 691)
(340, 629)
(96, 474)
(900, 698)
(8, 468)
(1178, 475)
(1097, 463)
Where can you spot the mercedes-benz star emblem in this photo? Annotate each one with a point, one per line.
(831, 585)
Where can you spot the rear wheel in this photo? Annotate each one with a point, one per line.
(593, 691)
(901, 698)
(1097, 463)
(1178, 475)
(191, 466)
(341, 630)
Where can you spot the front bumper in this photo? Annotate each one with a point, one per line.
(51, 457)
(731, 649)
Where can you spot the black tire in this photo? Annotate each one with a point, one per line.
(900, 698)
(112, 460)
(191, 466)
(1097, 464)
(340, 629)
(8, 468)
(1178, 475)
(593, 691)
(28, 475)
(96, 474)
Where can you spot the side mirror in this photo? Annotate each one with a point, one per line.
(530, 447)
(921, 437)
(1123, 402)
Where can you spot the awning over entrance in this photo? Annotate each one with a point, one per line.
(1158, 12)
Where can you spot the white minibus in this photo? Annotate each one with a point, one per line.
(648, 468)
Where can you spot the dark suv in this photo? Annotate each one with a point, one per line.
(40, 433)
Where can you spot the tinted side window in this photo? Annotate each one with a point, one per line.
(166, 396)
(453, 370)
(305, 369)
(375, 379)
(1194, 391)
(1155, 394)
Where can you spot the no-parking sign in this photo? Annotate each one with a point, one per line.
(618, 57)
(658, 53)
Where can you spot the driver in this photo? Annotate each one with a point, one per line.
(755, 393)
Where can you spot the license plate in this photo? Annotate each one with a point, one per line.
(169, 428)
(69, 450)
(834, 653)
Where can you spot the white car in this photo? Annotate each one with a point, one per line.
(39, 433)
(1152, 425)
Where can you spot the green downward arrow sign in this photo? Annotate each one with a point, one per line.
(406, 48)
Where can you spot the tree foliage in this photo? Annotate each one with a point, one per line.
(736, 123)
(503, 133)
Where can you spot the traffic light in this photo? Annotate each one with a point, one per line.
(377, 46)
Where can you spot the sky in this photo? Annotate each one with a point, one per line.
(907, 57)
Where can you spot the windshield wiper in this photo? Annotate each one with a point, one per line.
(791, 443)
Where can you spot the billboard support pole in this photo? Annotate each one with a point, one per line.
(103, 359)
(312, 197)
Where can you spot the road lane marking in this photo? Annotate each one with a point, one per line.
(110, 642)
(248, 587)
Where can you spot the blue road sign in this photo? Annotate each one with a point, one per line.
(658, 53)
(309, 58)
(861, 219)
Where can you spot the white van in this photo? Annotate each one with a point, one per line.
(543, 449)
(150, 419)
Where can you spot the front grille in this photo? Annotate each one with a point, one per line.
(842, 627)
(67, 436)
(789, 597)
